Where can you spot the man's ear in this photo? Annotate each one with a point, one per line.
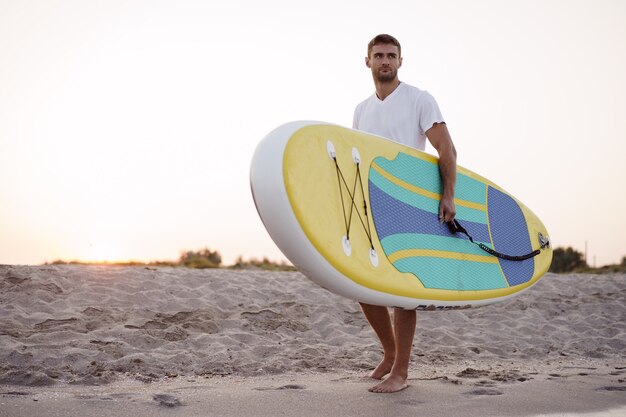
(367, 62)
(400, 63)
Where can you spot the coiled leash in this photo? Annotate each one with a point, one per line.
(455, 227)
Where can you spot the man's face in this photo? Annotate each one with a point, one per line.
(384, 61)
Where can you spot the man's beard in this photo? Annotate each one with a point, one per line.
(386, 77)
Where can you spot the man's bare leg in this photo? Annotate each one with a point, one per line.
(404, 322)
(378, 317)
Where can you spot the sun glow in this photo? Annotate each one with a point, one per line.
(102, 252)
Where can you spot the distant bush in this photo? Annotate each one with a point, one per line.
(204, 258)
(111, 263)
(567, 260)
(607, 269)
(264, 264)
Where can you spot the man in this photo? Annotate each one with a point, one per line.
(407, 115)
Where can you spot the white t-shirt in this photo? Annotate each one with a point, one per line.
(404, 116)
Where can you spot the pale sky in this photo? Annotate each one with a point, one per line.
(127, 127)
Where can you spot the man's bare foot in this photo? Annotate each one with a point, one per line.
(383, 368)
(392, 384)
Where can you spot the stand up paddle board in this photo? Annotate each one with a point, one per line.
(358, 215)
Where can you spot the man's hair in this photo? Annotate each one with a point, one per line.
(383, 39)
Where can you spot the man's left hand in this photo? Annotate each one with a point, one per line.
(447, 210)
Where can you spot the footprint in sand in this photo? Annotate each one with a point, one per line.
(166, 400)
(282, 387)
(484, 391)
(613, 389)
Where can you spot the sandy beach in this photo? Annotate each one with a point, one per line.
(105, 340)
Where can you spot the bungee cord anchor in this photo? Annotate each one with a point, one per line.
(352, 193)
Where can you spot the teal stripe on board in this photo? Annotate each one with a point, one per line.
(403, 241)
(428, 204)
(452, 274)
(425, 174)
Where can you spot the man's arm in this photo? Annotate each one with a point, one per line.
(439, 137)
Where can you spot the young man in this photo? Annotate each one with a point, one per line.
(407, 115)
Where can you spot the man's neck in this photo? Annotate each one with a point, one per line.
(384, 89)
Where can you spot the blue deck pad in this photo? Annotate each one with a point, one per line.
(392, 216)
(426, 175)
(452, 274)
(401, 226)
(510, 236)
(406, 241)
(424, 203)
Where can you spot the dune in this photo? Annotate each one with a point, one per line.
(145, 336)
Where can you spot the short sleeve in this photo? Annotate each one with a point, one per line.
(429, 112)
(355, 117)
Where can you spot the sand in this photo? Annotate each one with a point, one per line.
(104, 340)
